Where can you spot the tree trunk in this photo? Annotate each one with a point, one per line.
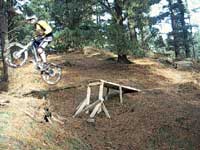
(132, 32)
(173, 24)
(5, 67)
(189, 18)
(185, 31)
(4, 37)
(123, 59)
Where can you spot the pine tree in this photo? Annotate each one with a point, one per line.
(180, 35)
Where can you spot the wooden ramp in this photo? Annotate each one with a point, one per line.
(99, 105)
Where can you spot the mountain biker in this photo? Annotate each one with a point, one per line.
(43, 36)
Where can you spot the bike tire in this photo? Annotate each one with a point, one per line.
(52, 78)
(10, 56)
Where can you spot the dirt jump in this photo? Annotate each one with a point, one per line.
(165, 114)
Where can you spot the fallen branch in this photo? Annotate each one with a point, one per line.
(44, 116)
(4, 103)
(32, 117)
(57, 120)
(45, 92)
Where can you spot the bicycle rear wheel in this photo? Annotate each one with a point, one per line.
(52, 75)
(14, 58)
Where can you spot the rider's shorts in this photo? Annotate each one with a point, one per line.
(43, 42)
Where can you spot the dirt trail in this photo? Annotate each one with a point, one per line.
(173, 75)
(164, 116)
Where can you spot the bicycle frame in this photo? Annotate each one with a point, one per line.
(25, 50)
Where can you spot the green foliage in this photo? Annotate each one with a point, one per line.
(78, 23)
(71, 13)
(156, 41)
(73, 23)
(180, 38)
(118, 39)
(139, 53)
(22, 32)
(41, 9)
(77, 37)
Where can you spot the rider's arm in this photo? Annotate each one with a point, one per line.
(48, 30)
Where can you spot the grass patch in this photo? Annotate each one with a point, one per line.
(4, 117)
(77, 144)
(166, 138)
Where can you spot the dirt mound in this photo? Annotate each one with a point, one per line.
(91, 52)
(188, 87)
(165, 115)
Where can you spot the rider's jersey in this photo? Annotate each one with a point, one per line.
(43, 28)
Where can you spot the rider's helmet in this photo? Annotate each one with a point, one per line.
(32, 19)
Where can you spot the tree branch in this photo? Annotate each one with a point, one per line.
(108, 8)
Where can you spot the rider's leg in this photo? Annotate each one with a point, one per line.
(42, 46)
(42, 54)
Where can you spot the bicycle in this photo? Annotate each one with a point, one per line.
(17, 55)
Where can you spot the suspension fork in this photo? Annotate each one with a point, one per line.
(34, 51)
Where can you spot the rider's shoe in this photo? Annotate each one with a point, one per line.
(46, 68)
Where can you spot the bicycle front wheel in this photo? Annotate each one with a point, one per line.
(14, 57)
(52, 75)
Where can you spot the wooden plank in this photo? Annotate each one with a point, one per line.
(95, 110)
(91, 105)
(88, 96)
(130, 88)
(120, 94)
(80, 105)
(101, 91)
(107, 93)
(116, 86)
(105, 110)
(94, 83)
(124, 88)
(80, 109)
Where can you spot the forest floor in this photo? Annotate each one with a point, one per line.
(164, 115)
